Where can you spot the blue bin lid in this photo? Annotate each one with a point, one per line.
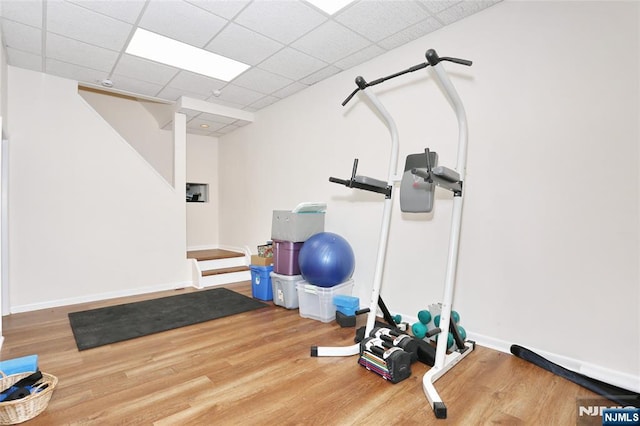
(260, 268)
(346, 301)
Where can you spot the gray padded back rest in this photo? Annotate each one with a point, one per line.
(416, 195)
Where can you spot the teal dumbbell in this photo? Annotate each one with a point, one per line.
(419, 330)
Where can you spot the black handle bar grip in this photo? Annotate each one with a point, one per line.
(361, 83)
(434, 59)
(344, 182)
(346, 101)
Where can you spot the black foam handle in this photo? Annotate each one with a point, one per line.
(434, 59)
(340, 181)
(361, 82)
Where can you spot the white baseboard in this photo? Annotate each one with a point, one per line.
(99, 297)
(604, 374)
(206, 247)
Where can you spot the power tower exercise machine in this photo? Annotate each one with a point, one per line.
(418, 182)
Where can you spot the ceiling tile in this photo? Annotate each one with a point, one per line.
(216, 118)
(292, 63)
(284, 21)
(241, 44)
(196, 83)
(320, 75)
(22, 37)
(196, 123)
(330, 42)
(25, 12)
(238, 95)
(290, 43)
(20, 59)
(79, 53)
(197, 131)
(124, 10)
(172, 94)
(74, 72)
(241, 123)
(294, 87)
(462, 10)
(360, 57)
(79, 23)
(261, 81)
(226, 129)
(181, 21)
(264, 102)
(132, 85)
(412, 33)
(366, 17)
(142, 69)
(225, 8)
(435, 6)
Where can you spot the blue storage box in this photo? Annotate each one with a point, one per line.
(25, 364)
(261, 282)
(348, 305)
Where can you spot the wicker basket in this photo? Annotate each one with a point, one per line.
(21, 410)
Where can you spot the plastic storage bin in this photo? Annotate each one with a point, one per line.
(261, 282)
(317, 302)
(285, 292)
(296, 227)
(285, 257)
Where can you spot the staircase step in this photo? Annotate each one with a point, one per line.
(225, 270)
(212, 254)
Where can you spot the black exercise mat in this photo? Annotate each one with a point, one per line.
(102, 326)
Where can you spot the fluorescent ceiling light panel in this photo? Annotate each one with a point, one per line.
(330, 6)
(181, 55)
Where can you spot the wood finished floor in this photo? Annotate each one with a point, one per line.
(255, 368)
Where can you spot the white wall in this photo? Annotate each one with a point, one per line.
(202, 167)
(3, 184)
(549, 253)
(89, 219)
(133, 121)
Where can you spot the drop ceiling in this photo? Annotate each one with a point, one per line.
(290, 44)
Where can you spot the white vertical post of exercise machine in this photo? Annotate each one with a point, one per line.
(386, 214)
(384, 235)
(445, 362)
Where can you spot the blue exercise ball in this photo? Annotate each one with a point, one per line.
(326, 259)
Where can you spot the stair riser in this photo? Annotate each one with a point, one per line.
(221, 279)
(208, 265)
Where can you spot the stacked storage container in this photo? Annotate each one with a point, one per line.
(261, 268)
(289, 231)
(317, 302)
